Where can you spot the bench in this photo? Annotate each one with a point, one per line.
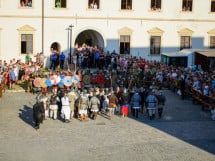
(196, 96)
(207, 103)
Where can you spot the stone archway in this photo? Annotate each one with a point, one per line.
(90, 37)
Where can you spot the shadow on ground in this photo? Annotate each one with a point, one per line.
(186, 121)
(26, 114)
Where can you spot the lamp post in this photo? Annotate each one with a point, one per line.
(70, 48)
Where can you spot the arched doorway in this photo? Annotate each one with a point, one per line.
(91, 38)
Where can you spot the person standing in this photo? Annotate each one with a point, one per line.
(65, 111)
(38, 111)
(72, 98)
(12, 78)
(182, 87)
(135, 103)
(27, 58)
(151, 102)
(83, 105)
(105, 104)
(94, 106)
(45, 101)
(53, 59)
(124, 99)
(53, 107)
(62, 58)
(161, 102)
(113, 101)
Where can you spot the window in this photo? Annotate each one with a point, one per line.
(155, 45)
(212, 5)
(25, 3)
(124, 44)
(187, 5)
(26, 43)
(155, 5)
(212, 42)
(26, 37)
(93, 4)
(60, 3)
(126, 4)
(185, 42)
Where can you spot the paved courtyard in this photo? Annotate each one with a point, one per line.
(185, 133)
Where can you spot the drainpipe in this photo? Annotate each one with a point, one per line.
(43, 26)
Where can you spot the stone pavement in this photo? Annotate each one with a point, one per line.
(185, 133)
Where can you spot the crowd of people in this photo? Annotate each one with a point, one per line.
(16, 70)
(88, 103)
(128, 80)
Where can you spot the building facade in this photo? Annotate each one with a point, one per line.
(143, 28)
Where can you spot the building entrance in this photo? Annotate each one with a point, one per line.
(91, 38)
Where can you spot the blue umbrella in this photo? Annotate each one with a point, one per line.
(48, 82)
(67, 81)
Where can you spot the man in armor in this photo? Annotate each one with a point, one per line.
(161, 102)
(135, 103)
(94, 106)
(151, 102)
(83, 105)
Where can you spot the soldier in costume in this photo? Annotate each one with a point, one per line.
(65, 111)
(83, 105)
(44, 98)
(38, 111)
(72, 98)
(151, 102)
(124, 102)
(118, 93)
(105, 104)
(113, 102)
(53, 107)
(135, 103)
(161, 102)
(94, 105)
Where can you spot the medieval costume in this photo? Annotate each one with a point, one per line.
(72, 98)
(124, 101)
(83, 106)
(151, 102)
(113, 101)
(135, 103)
(94, 106)
(161, 102)
(38, 112)
(53, 107)
(65, 111)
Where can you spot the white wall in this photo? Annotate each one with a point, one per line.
(107, 21)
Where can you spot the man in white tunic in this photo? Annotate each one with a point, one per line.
(65, 111)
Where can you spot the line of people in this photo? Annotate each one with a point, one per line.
(88, 103)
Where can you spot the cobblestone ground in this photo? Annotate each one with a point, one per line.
(185, 133)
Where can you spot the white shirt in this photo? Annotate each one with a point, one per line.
(65, 101)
